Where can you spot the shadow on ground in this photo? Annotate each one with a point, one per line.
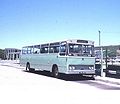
(63, 76)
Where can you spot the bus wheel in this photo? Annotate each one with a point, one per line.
(27, 67)
(55, 72)
(93, 77)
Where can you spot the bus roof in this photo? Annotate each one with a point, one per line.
(75, 41)
(78, 41)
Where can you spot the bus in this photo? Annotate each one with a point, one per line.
(71, 57)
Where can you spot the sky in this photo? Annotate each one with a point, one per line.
(31, 22)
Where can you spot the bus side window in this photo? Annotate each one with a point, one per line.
(37, 49)
(44, 50)
(51, 50)
(32, 50)
(63, 50)
(24, 51)
(29, 50)
(54, 49)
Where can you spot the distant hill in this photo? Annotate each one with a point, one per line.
(112, 50)
(108, 47)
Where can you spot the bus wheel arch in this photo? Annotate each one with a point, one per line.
(55, 71)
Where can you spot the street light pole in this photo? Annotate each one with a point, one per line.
(101, 62)
(99, 37)
(101, 53)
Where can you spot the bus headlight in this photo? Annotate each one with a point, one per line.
(91, 67)
(72, 67)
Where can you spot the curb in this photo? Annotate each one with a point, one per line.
(14, 66)
(107, 81)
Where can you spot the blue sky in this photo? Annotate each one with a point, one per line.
(27, 22)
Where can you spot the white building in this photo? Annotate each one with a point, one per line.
(12, 53)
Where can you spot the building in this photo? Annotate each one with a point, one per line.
(12, 53)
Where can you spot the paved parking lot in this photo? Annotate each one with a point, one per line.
(20, 87)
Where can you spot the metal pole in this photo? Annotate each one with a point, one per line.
(101, 51)
(101, 62)
(106, 61)
(99, 37)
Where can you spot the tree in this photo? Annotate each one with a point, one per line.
(1, 54)
(110, 53)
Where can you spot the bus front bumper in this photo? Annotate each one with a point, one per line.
(82, 72)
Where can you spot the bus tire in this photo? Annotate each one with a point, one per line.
(28, 67)
(93, 77)
(55, 72)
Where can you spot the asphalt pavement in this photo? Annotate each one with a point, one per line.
(21, 87)
(15, 64)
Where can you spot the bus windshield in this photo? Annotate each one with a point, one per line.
(81, 50)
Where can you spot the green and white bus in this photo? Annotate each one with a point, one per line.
(68, 57)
